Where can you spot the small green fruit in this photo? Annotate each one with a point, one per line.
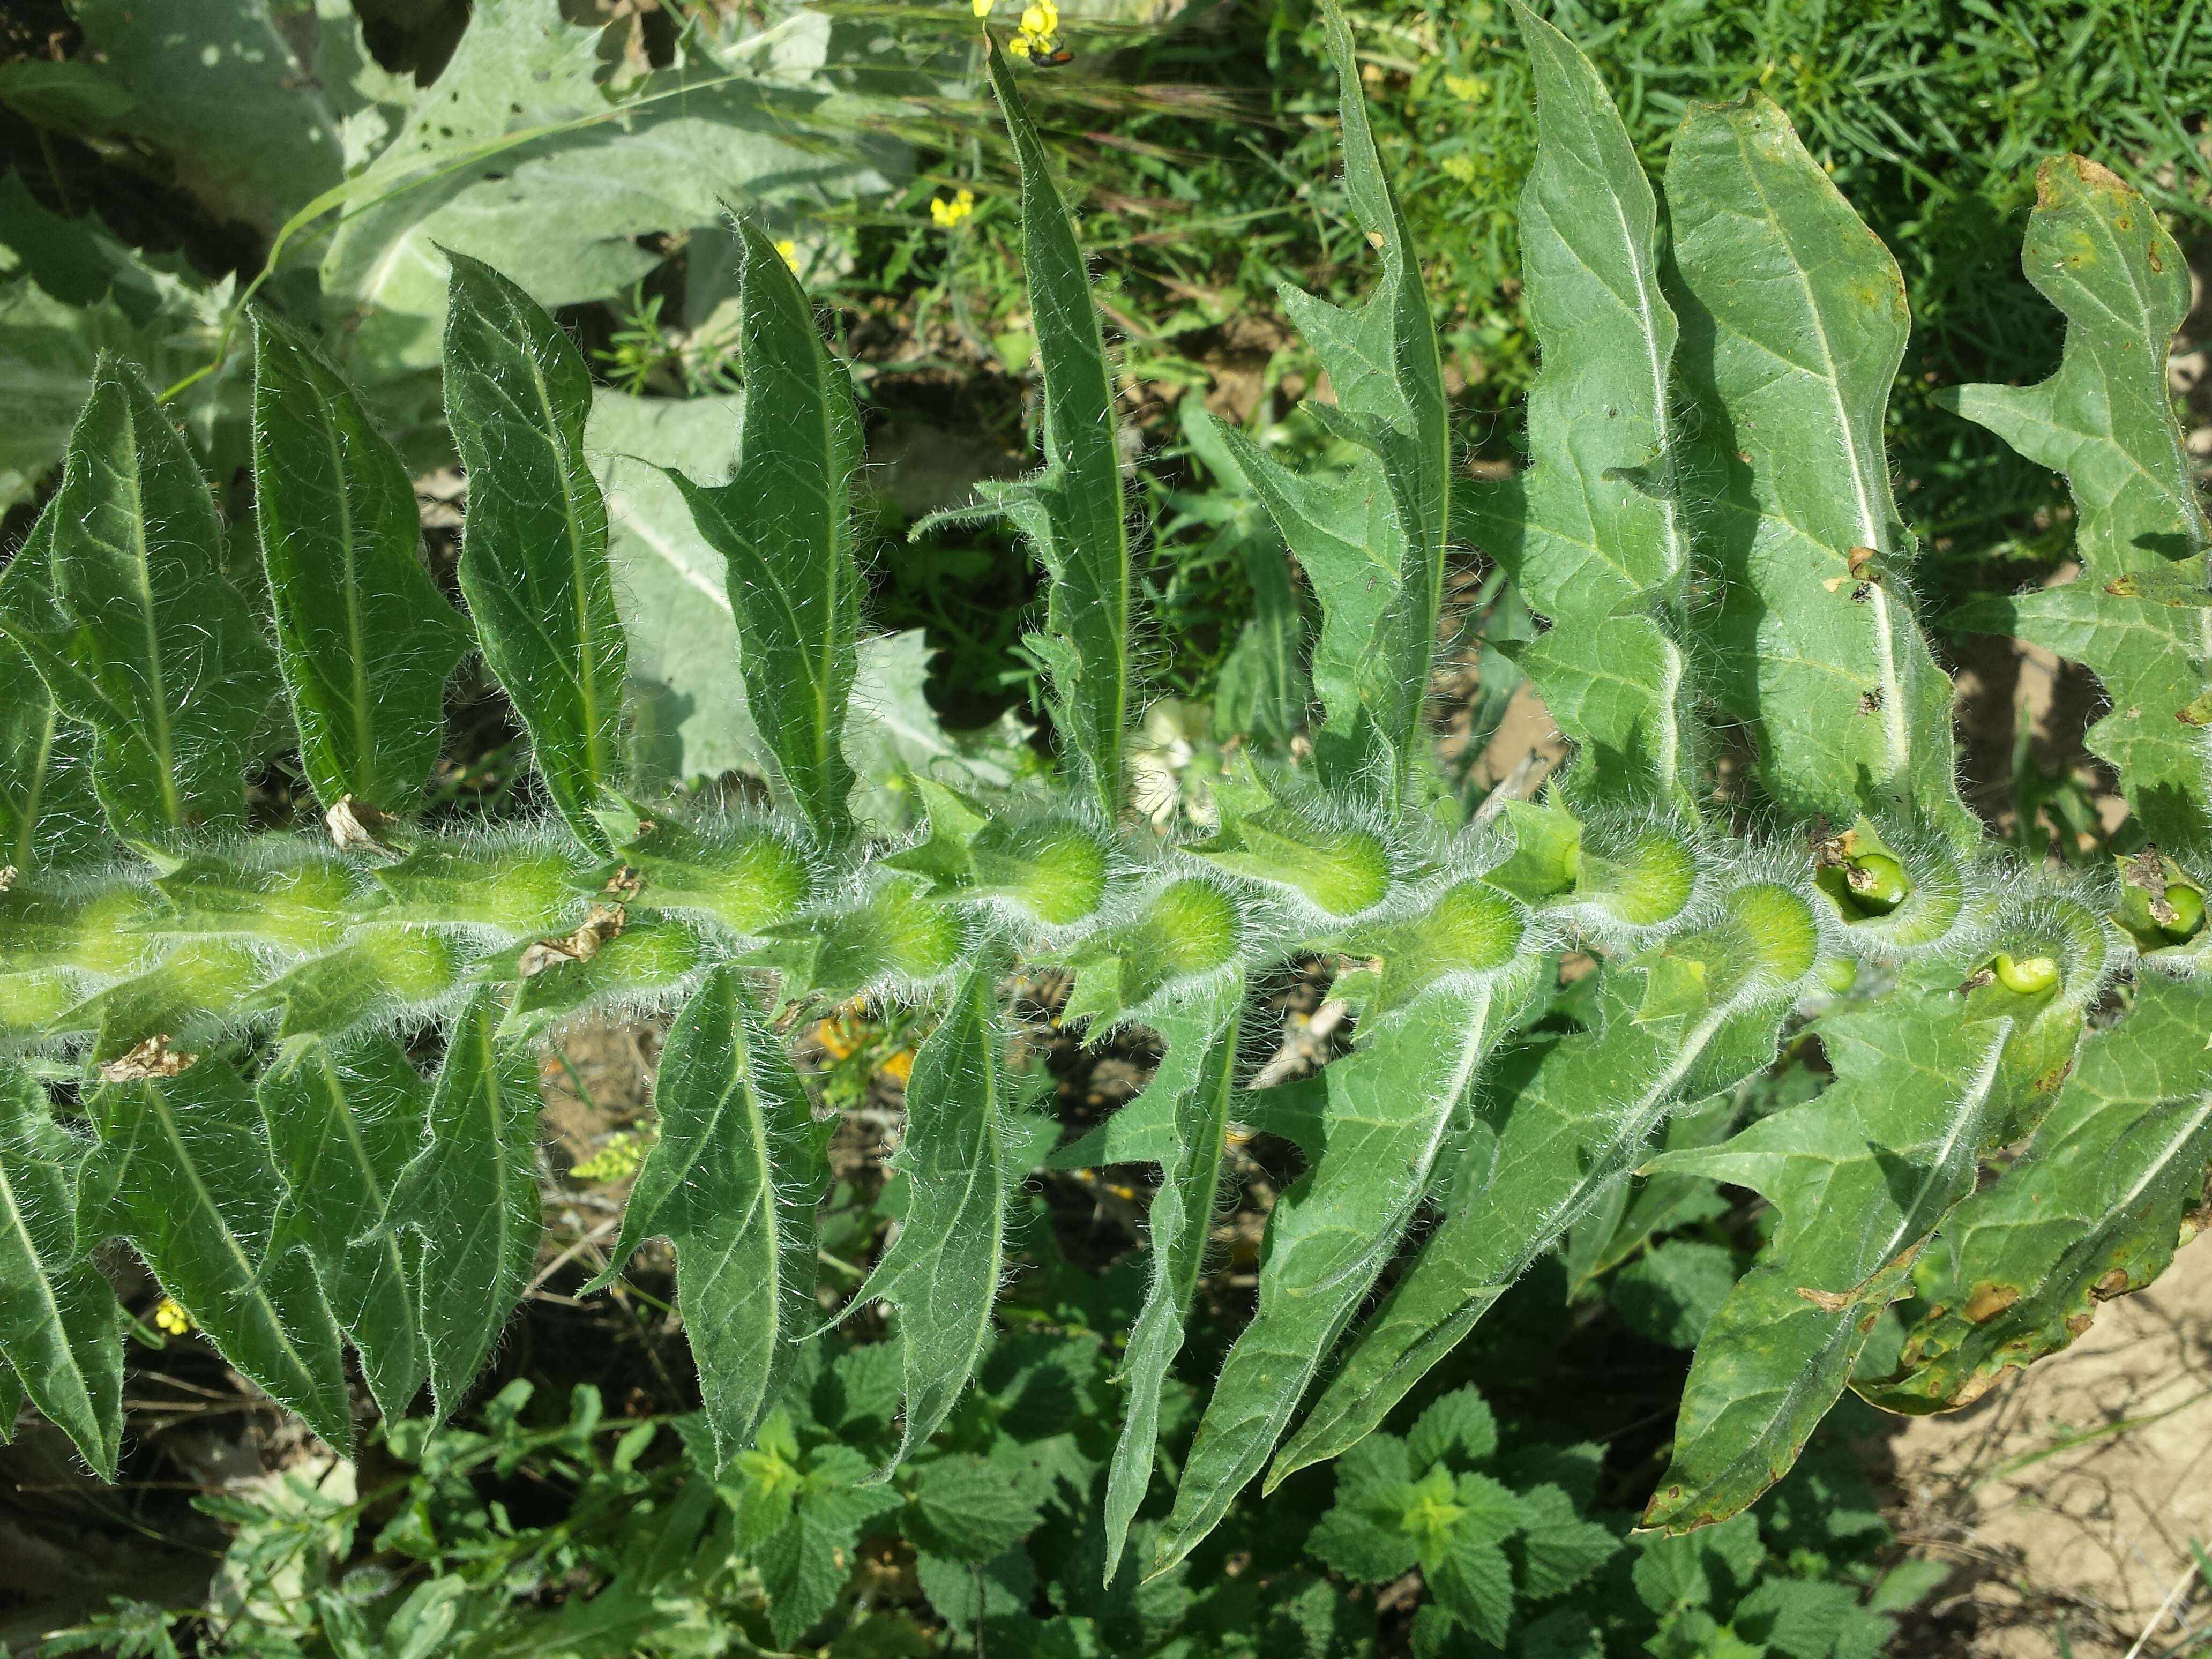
(1877, 883)
(2030, 976)
(2188, 906)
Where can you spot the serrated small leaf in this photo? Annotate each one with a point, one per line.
(1597, 524)
(806, 1560)
(1390, 1104)
(184, 1174)
(968, 1509)
(1460, 1426)
(2091, 1209)
(1793, 320)
(784, 526)
(61, 1338)
(127, 610)
(471, 1196)
(1073, 512)
(343, 1125)
(363, 637)
(534, 542)
(734, 1182)
(2095, 249)
(1862, 1175)
(941, 1271)
(1558, 1549)
(1198, 1025)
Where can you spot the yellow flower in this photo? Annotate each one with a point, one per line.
(1019, 45)
(171, 1317)
(789, 249)
(616, 1161)
(1041, 19)
(899, 1066)
(982, 8)
(945, 215)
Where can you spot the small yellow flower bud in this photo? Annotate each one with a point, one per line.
(789, 249)
(170, 1316)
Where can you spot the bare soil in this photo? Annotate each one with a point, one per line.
(2068, 1496)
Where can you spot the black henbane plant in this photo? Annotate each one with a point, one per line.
(205, 1023)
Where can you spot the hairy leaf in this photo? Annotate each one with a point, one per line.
(61, 1333)
(733, 1183)
(1571, 1114)
(534, 544)
(183, 1173)
(2097, 252)
(521, 131)
(363, 637)
(1198, 1028)
(213, 83)
(1073, 512)
(1597, 535)
(942, 1270)
(343, 1125)
(46, 804)
(1794, 321)
(1862, 1175)
(1390, 1106)
(688, 719)
(1371, 543)
(472, 1196)
(784, 526)
(128, 611)
(2092, 1209)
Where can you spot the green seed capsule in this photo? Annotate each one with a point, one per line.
(1877, 883)
(2030, 976)
(2188, 906)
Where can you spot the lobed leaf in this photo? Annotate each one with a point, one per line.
(733, 1183)
(1596, 534)
(2092, 1209)
(1862, 1175)
(470, 1194)
(2097, 252)
(342, 1126)
(1373, 543)
(363, 637)
(61, 1333)
(784, 526)
(1794, 321)
(1073, 512)
(44, 804)
(942, 1269)
(1389, 1106)
(126, 608)
(1570, 1115)
(534, 544)
(1198, 1023)
(182, 1172)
